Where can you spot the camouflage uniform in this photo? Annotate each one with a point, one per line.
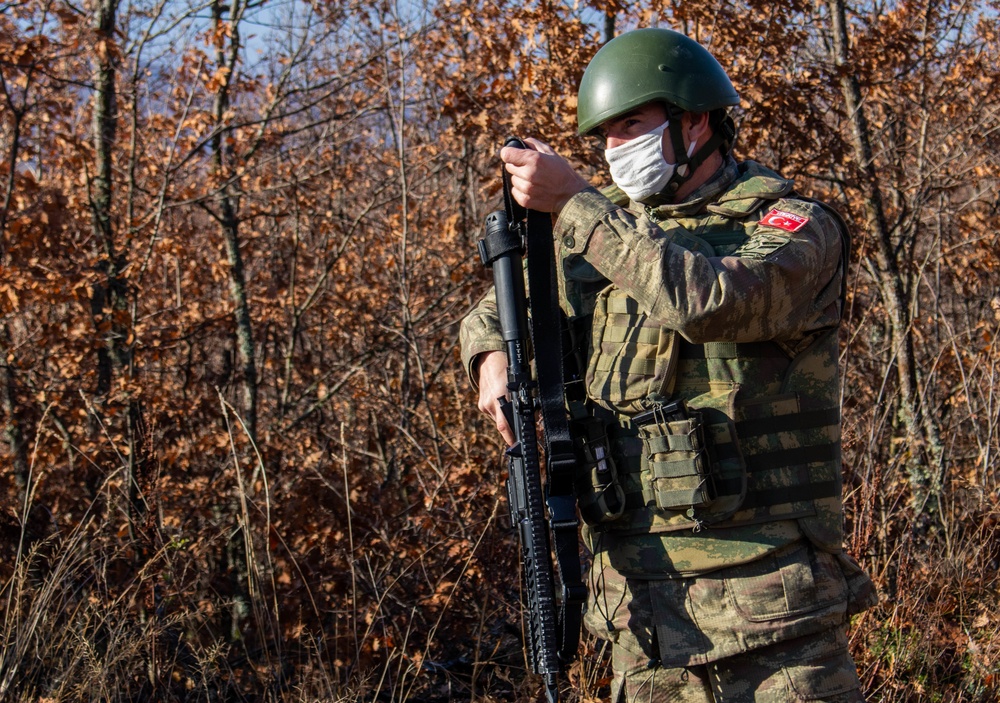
(725, 576)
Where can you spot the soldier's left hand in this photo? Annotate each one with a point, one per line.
(541, 179)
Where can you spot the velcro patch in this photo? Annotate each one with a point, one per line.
(780, 219)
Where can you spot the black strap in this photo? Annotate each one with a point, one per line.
(817, 490)
(547, 322)
(791, 422)
(731, 350)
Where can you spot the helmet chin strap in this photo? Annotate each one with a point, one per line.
(686, 165)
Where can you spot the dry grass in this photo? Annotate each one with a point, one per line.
(94, 610)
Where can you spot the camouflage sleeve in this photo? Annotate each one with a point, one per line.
(479, 333)
(784, 281)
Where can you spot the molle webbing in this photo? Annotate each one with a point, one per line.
(729, 350)
(620, 329)
(628, 449)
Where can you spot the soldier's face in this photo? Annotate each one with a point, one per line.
(636, 123)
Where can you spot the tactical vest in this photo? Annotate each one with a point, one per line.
(720, 434)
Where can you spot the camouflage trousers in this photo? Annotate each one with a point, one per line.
(773, 630)
(812, 668)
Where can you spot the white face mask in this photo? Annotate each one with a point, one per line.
(638, 166)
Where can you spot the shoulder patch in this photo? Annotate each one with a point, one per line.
(782, 219)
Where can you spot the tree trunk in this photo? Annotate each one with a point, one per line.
(12, 431)
(109, 303)
(108, 296)
(237, 547)
(227, 58)
(926, 463)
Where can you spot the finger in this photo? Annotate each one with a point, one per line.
(519, 192)
(518, 157)
(539, 146)
(504, 429)
(491, 407)
(518, 183)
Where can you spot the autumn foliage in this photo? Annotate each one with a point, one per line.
(240, 458)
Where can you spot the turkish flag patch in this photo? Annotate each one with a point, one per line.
(788, 221)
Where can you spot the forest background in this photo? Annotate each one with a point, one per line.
(240, 458)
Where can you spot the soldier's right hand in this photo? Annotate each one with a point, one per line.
(492, 368)
(540, 178)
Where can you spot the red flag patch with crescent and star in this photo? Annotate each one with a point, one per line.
(788, 221)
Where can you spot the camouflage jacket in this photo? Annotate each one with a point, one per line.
(740, 262)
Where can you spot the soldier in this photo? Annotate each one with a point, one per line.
(712, 295)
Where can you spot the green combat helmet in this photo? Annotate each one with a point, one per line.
(647, 65)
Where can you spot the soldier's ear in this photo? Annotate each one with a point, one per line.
(697, 125)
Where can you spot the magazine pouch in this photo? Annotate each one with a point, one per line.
(676, 465)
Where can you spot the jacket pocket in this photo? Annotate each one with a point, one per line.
(790, 582)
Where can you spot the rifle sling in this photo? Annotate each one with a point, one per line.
(560, 459)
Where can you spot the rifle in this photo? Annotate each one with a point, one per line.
(553, 623)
